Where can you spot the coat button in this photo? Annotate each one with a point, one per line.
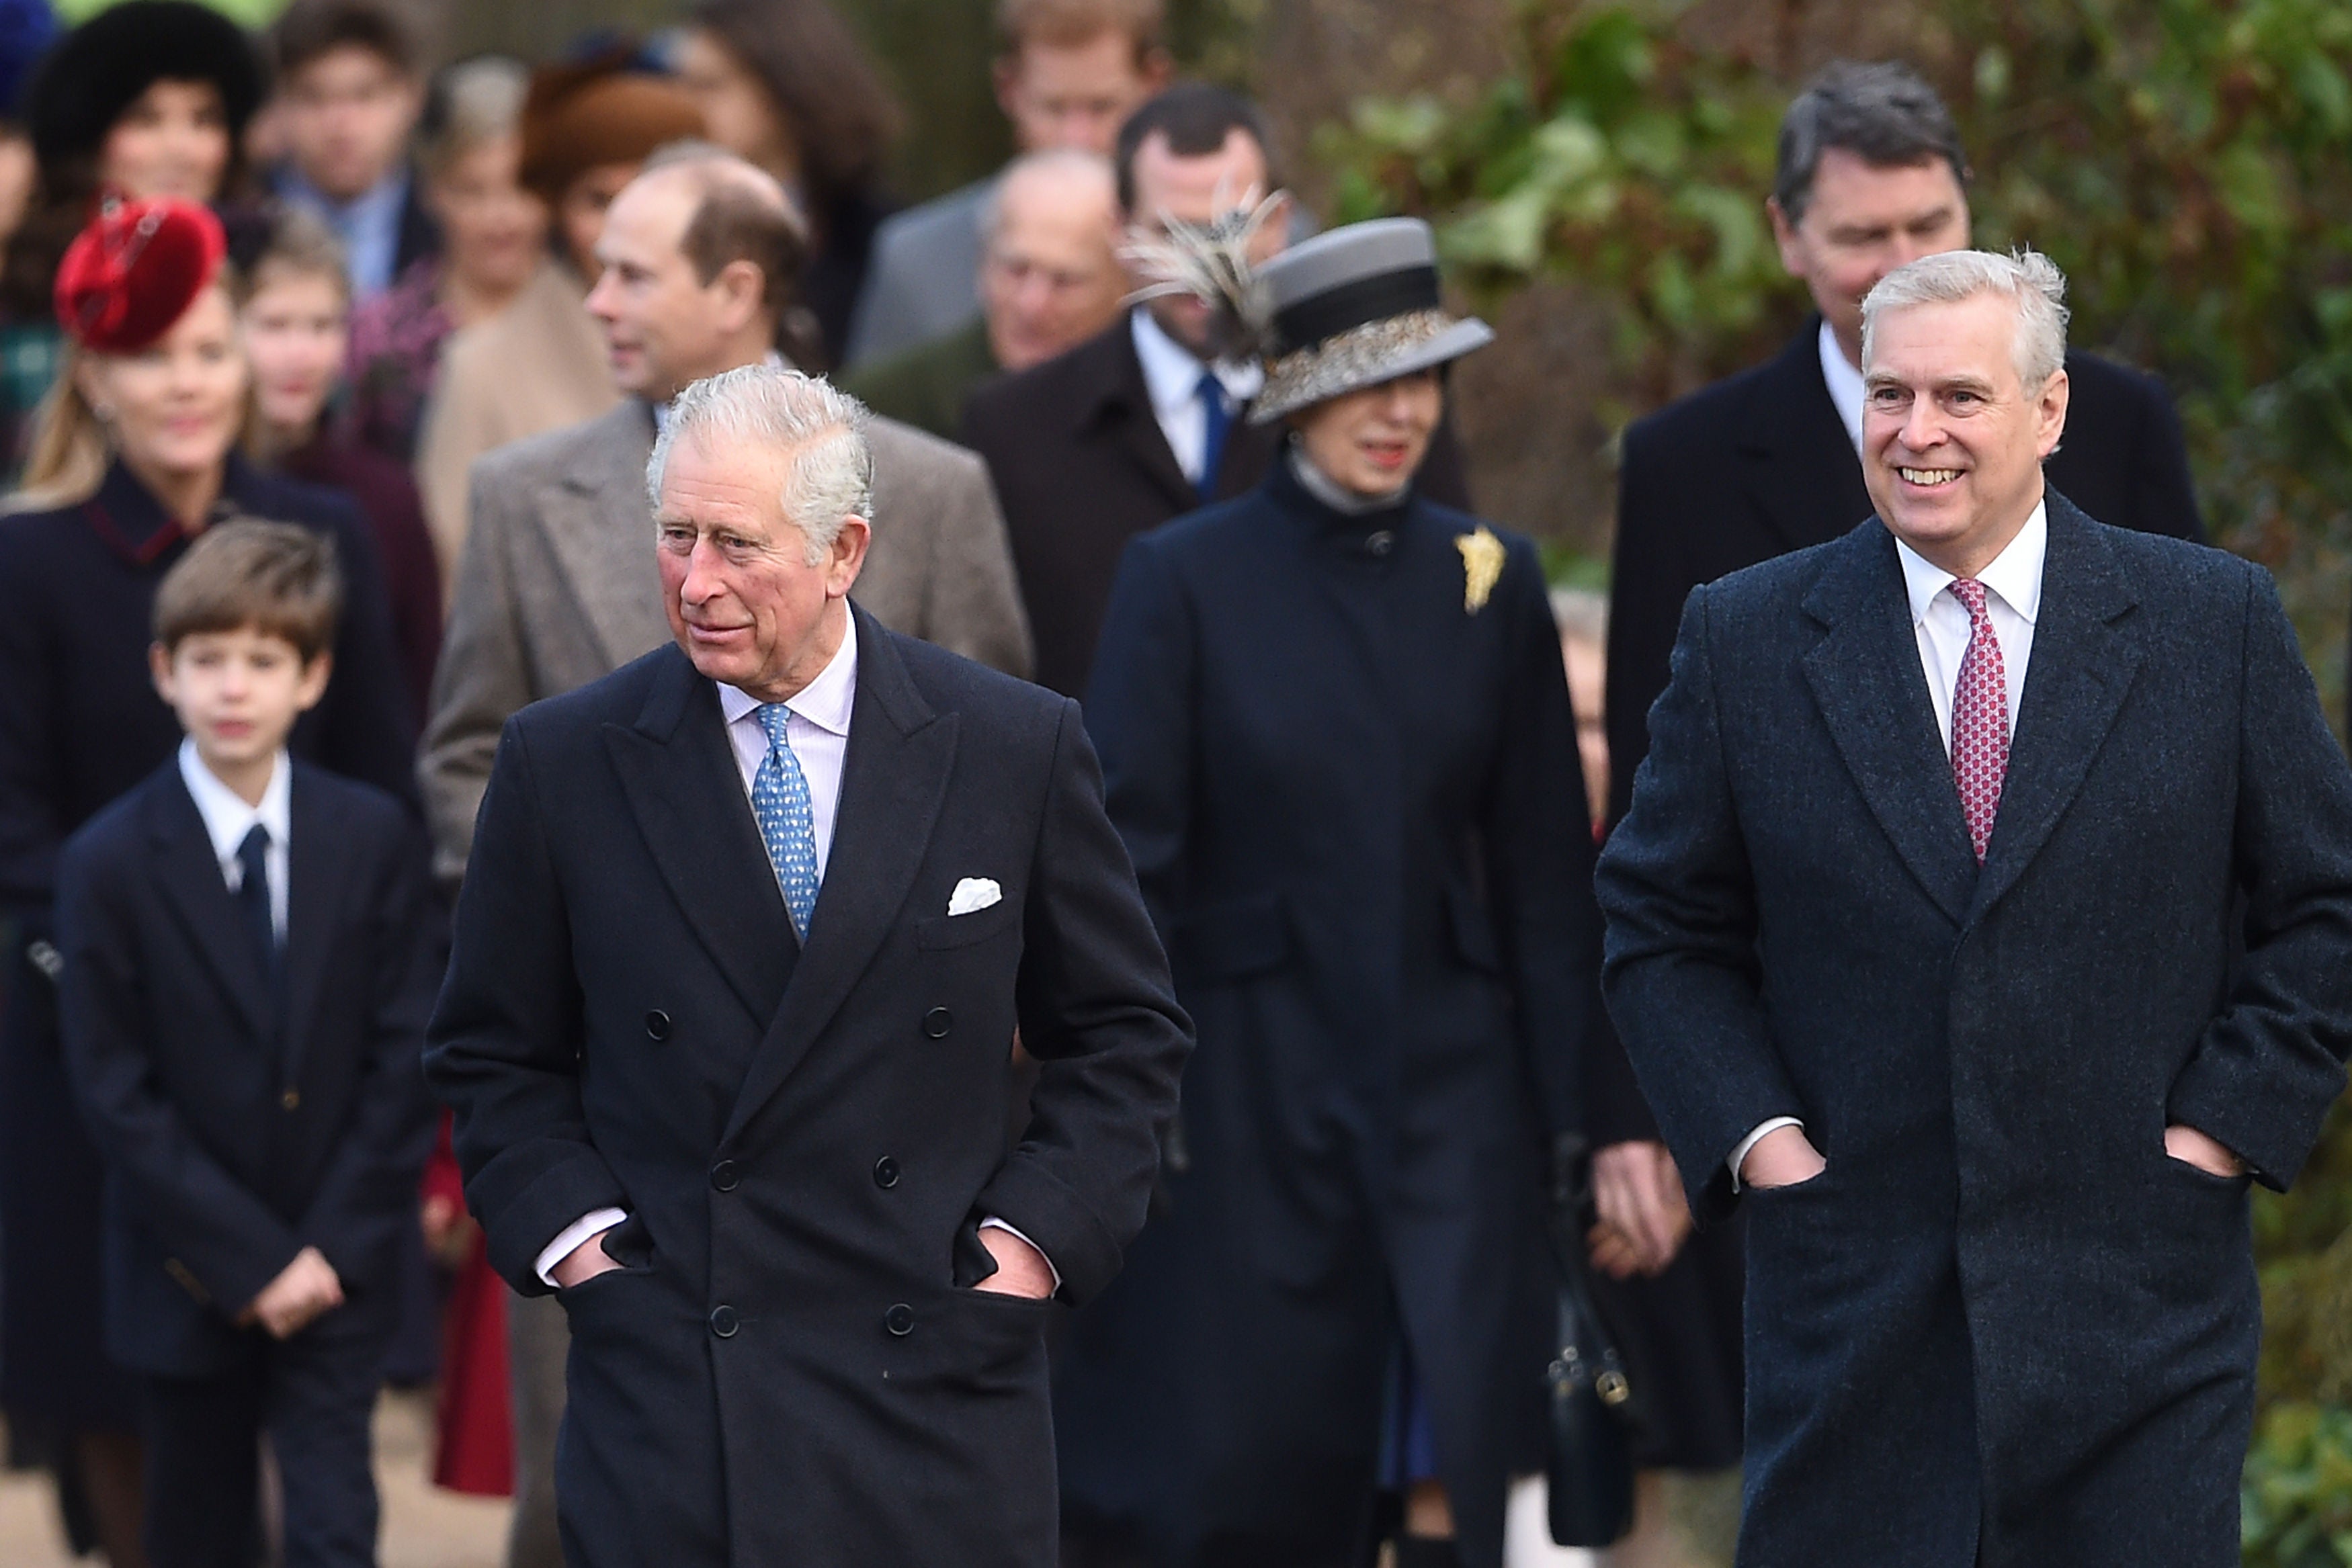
(291, 1099)
(657, 1025)
(725, 1175)
(885, 1172)
(723, 1322)
(937, 1022)
(1380, 543)
(899, 1319)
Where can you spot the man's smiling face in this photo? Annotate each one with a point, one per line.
(1952, 439)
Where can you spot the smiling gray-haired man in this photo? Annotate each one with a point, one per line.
(1920, 938)
(746, 932)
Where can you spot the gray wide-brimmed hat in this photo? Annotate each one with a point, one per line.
(1353, 308)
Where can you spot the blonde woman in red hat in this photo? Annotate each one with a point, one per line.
(134, 453)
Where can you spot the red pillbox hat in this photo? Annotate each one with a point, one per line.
(129, 276)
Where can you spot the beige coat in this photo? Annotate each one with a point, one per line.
(557, 585)
(537, 365)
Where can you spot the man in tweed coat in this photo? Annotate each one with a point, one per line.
(1980, 927)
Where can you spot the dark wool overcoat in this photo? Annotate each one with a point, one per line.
(2003, 1328)
(791, 1368)
(1349, 784)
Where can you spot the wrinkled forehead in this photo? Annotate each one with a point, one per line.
(1943, 341)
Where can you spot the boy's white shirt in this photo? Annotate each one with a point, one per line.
(228, 820)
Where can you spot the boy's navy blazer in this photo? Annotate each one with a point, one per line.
(240, 1121)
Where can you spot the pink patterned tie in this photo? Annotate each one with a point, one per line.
(1979, 718)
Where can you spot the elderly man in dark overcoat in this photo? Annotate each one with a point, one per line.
(1925, 936)
(746, 932)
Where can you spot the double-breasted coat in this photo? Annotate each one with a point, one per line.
(2003, 1327)
(1348, 777)
(792, 1366)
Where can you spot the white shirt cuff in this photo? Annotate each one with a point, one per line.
(994, 1224)
(571, 1236)
(1739, 1155)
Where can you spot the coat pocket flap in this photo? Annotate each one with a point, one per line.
(963, 930)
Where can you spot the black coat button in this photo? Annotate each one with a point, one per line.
(657, 1025)
(1381, 542)
(723, 1322)
(899, 1319)
(725, 1175)
(937, 1022)
(885, 1172)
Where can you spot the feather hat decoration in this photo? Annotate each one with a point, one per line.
(1211, 262)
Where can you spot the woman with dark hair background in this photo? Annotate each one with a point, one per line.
(785, 84)
(148, 99)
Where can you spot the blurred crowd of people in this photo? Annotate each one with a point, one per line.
(453, 306)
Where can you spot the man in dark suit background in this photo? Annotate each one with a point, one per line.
(746, 932)
(1146, 421)
(1872, 174)
(1925, 937)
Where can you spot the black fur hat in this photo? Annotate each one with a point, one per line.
(88, 78)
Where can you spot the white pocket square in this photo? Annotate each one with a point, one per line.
(974, 893)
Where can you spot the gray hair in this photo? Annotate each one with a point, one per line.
(471, 104)
(2028, 280)
(1883, 114)
(821, 428)
(1066, 164)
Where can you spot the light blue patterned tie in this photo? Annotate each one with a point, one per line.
(780, 800)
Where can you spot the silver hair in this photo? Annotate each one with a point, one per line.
(821, 427)
(2026, 278)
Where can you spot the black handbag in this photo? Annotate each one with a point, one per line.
(1590, 1468)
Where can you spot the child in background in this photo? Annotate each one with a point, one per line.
(247, 967)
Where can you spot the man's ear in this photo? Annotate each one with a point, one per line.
(1005, 72)
(1156, 68)
(2049, 414)
(847, 556)
(741, 288)
(1784, 236)
(315, 675)
(159, 670)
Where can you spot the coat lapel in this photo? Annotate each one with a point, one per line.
(682, 779)
(1120, 411)
(199, 897)
(1801, 471)
(600, 533)
(1865, 675)
(315, 877)
(894, 777)
(2083, 662)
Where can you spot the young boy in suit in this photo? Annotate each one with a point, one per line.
(248, 968)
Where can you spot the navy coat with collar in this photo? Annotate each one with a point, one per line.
(239, 1125)
(2003, 1327)
(791, 1368)
(1354, 804)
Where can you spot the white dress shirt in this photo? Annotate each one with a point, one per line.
(227, 819)
(1172, 374)
(1845, 381)
(818, 732)
(1939, 623)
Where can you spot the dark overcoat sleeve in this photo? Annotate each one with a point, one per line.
(364, 1195)
(1680, 973)
(32, 750)
(218, 1228)
(1098, 1012)
(503, 1048)
(2271, 1063)
(1647, 586)
(1537, 833)
(1140, 711)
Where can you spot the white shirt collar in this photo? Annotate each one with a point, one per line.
(227, 819)
(1171, 372)
(1845, 385)
(825, 702)
(2015, 574)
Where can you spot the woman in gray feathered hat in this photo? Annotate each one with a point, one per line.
(1337, 742)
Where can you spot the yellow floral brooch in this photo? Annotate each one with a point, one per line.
(1481, 563)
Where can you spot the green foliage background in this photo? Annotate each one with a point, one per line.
(2185, 162)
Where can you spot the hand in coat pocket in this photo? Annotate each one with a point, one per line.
(2191, 1147)
(1781, 1158)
